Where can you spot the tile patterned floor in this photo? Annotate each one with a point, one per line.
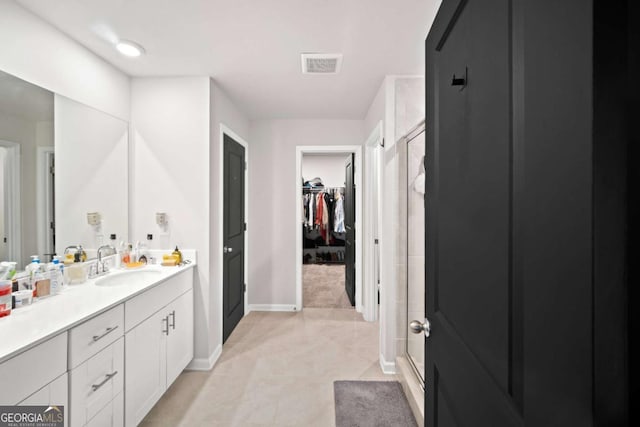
(276, 369)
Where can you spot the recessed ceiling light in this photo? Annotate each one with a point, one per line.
(129, 48)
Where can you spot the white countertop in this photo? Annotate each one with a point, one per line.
(28, 326)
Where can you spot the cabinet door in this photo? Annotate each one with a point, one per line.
(111, 415)
(96, 382)
(180, 338)
(145, 366)
(55, 394)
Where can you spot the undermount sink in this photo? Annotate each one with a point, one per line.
(128, 278)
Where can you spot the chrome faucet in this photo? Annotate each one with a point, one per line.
(100, 255)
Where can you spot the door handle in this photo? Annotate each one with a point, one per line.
(107, 377)
(105, 333)
(418, 327)
(173, 318)
(165, 320)
(227, 250)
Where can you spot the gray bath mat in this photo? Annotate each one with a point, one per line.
(371, 404)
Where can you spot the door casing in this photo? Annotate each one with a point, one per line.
(328, 149)
(225, 130)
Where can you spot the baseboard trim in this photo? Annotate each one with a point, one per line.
(272, 307)
(387, 367)
(205, 364)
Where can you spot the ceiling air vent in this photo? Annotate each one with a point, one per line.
(321, 63)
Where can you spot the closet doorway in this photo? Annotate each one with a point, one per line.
(328, 260)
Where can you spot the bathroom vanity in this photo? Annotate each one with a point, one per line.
(106, 350)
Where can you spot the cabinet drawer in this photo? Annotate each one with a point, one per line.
(53, 394)
(96, 382)
(143, 306)
(46, 362)
(111, 415)
(87, 339)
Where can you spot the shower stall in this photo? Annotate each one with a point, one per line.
(411, 264)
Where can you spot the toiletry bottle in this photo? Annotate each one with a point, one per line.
(143, 254)
(32, 268)
(54, 277)
(136, 252)
(126, 255)
(60, 267)
(83, 254)
(177, 254)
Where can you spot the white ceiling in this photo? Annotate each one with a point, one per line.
(252, 47)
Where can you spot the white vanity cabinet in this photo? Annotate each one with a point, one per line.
(158, 342)
(37, 376)
(109, 355)
(96, 370)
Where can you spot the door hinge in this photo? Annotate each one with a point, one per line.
(52, 170)
(245, 226)
(244, 287)
(376, 242)
(245, 165)
(382, 142)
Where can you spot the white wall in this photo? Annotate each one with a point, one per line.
(23, 131)
(329, 167)
(91, 174)
(3, 245)
(175, 125)
(35, 51)
(272, 197)
(170, 162)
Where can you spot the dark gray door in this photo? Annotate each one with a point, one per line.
(508, 234)
(234, 229)
(349, 225)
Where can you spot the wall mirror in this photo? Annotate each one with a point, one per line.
(59, 160)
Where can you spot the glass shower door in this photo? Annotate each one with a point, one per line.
(416, 249)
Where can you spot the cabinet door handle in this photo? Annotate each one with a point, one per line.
(165, 320)
(109, 330)
(173, 319)
(107, 377)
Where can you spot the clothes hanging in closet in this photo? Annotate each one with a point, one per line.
(321, 211)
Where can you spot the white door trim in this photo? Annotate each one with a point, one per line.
(225, 130)
(42, 201)
(13, 220)
(328, 149)
(373, 147)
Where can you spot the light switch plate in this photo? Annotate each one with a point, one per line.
(94, 218)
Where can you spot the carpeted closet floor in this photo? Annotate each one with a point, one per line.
(323, 286)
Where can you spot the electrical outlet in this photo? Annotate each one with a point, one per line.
(149, 236)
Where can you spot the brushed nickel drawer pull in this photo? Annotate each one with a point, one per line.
(165, 320)
(109, 330)
(107, 377)
(173, 318)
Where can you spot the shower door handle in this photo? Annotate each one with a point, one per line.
(418, 327)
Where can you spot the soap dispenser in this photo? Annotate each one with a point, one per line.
(178, 255)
